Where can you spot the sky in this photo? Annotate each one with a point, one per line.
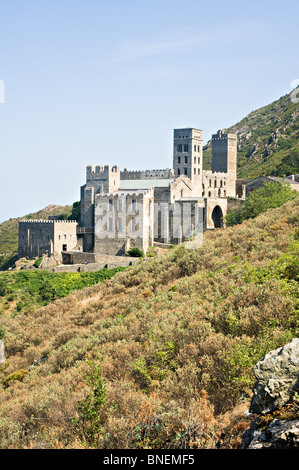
(95, 83)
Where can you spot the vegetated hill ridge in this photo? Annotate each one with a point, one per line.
(174, 338)
(9, 229)
(267, 140)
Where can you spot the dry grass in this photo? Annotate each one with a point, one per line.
(178, 336)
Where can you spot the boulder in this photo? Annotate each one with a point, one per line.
(277, 377)
(279, 434)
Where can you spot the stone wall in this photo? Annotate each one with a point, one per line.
(83, 268)
(224, 159)
(37, 237)
(167, 173)
(187, 153)
(123, 219)
(215, 210)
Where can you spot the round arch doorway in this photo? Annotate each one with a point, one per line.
(217, 217)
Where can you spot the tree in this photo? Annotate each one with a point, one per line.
(269, 196)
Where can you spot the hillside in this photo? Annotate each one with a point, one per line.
(267, 141)
(161, 355)
(9, 230)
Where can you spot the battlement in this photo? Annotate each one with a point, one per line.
(209, 173)
(100, 172)
(42, 221)
(127, 192)
(146, 174)
(223, 136)
(187, 133)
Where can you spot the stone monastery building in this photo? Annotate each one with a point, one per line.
(125, 209)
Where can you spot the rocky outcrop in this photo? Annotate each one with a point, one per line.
(277, 383)
(279, 434)
(277, 377)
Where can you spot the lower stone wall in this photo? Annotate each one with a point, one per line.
(234, 204)
(83, 268)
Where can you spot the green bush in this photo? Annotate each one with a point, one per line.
(89, 421)
(136, 252)
(14, 376)
(37, 262)
(269, 196)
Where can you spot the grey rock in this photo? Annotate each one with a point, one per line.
(277, 435)
(277, 377)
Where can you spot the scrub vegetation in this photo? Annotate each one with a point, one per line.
(160, 355)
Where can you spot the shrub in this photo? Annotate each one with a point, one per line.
(269, 196)
(37, 262)
(16, 375)
(89, 421)
(136, 252)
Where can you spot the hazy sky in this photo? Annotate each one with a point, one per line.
(99, 82)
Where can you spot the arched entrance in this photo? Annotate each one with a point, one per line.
(217, 217)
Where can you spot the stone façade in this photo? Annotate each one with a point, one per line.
(125, 209)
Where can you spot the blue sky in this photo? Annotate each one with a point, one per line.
(99, 82)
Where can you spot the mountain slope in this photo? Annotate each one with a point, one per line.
(268, 140)
(9, 230)
(167, 345)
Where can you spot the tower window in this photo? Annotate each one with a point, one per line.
(120, 224)
(186, 148)
(194, 148)
(194, 160)
(133, 205)
(110, 224)
(179, 172)
(185, 171)
(179, 159)
(134, 224)
(199, 160)
(110, 205)
(186, 159)
(180, 147)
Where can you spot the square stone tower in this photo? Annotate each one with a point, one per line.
(224, 159)
(224, 153)
(187, 155)
(102, 180)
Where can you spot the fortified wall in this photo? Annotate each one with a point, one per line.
(146, 174)
(37, 237)
(125, 209)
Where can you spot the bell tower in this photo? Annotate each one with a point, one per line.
(187, 155)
